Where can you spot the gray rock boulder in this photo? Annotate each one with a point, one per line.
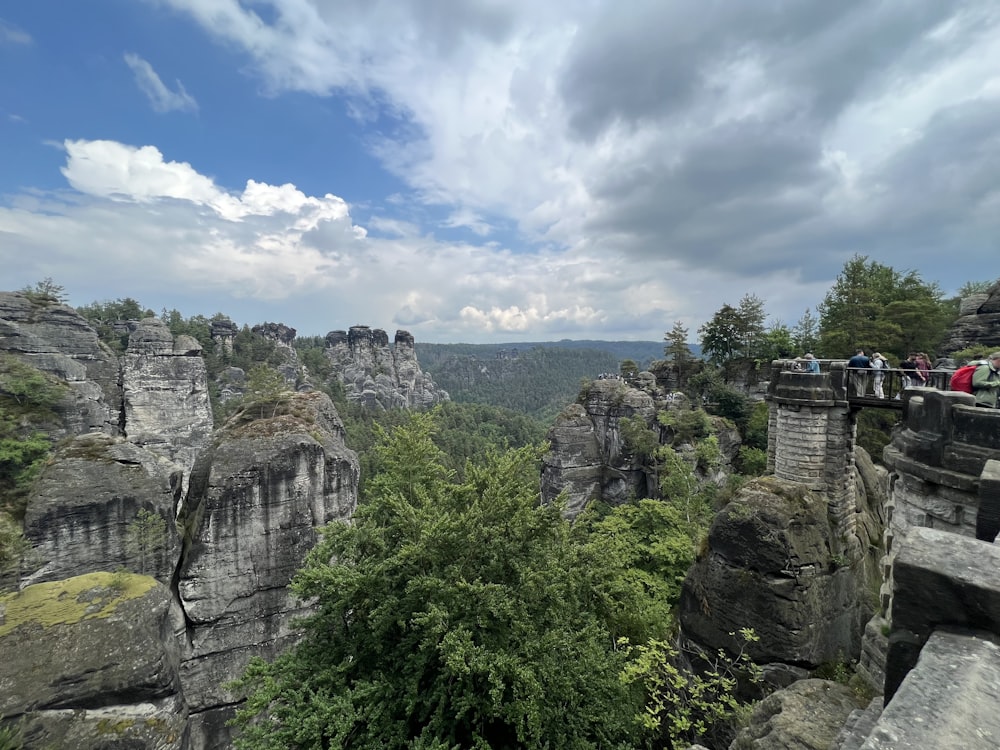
(807, 715)
(95, 664)
(775, 563)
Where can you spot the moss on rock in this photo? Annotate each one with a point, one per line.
(90, 596)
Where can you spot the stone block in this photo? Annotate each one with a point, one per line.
(988, 518)
(951, 699)
(939, 579)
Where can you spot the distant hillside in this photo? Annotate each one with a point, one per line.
(539, 380)
(640, 352)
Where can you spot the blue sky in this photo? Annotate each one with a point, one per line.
(477, 170)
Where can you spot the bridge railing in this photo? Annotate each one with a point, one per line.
(894, 379)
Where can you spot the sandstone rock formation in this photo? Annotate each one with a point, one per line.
(94, 663)
(55, 339)
(86, 506)
(587, 459)
(777, 564)
(377, 375)
(256, 500)
(222, 521)
(807, 715)
(978, 323)
(165, 387)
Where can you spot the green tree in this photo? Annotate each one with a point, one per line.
(628, 369)
(685, 707)
(750, 329)
(678, 352)
(145, 537)
(975, 287)
(46, 291)
(873, 305)
(805, 333)
(449, 615)
(266, 387)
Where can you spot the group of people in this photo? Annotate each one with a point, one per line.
(915, 371)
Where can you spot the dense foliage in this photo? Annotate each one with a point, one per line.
(875, 307)
(462, 613)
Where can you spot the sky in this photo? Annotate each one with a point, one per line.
(494, 170)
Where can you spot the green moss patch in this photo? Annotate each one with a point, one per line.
(90, 596)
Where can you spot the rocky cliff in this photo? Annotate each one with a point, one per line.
(212, 525)
(978, 323)
(380, 376)
(589, 458)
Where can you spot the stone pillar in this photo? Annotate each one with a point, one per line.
(811, 433)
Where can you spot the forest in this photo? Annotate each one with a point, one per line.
(457, 611)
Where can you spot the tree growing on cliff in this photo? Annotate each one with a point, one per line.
(266, 387)
(449, 615)
(678, 352)
(145, 537)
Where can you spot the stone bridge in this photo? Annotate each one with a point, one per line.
(940, 595)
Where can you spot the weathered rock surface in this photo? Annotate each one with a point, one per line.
(83, 513)
(166, 404)
(978, 324)
(256, 499)
(103, 662)
(587, 459)
(775, 563)
(807, 715)
(55, 339)
(377, 375)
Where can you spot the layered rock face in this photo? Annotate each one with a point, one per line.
(978, 323)
(55, 339)
(165, 385)
(256, 500)
(94, 663)
(776, 562)
(221, 521)
(587, 459)
(377, 375)
(89, 512)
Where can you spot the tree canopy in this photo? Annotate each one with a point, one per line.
(873, 306)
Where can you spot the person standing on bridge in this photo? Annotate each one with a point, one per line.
(986, 382)
(880, 364)
(858, 366)
(811, 363)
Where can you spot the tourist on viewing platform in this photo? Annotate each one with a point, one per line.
(909, 368)
(986, 382)
(879, 364)
(811, 363)
(923, 368)
(858, 365)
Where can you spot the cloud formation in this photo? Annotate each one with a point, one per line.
(160, 97)
(611, 168)
(740, 136)
(11, 35)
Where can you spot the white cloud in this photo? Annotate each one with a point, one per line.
(11, 35)
(160, 97)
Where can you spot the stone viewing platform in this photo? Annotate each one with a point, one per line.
(940, 595)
